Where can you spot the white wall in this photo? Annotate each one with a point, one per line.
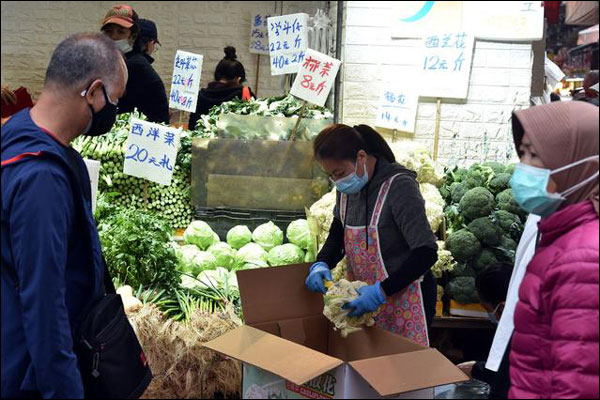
(475, 130)
(31, 30)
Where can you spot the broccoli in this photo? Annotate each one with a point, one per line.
(507, 202)
(497, 167)
(476, 203)
(457, 191)
(506, 248)
(500, 182)
(445, 192)
(463, 245)
(462, 290)
(463, 270)
(460, 174)
(485, 231)
(484, 260)
(479, 175)
(510, 169)
(506, 220)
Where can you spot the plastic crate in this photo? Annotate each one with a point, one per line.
(221, 220)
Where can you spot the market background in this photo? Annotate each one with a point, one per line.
(475, 130)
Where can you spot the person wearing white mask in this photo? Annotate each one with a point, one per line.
(145, 90)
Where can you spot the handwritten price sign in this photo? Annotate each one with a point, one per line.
(315, 77)
(288, 38)
(185, 84)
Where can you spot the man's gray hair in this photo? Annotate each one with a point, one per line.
(82, 58)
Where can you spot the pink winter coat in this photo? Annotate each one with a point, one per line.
(554, 350)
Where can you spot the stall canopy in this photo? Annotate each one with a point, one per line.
(581, 13)
(589, 35)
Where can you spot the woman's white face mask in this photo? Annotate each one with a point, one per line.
(124, 45)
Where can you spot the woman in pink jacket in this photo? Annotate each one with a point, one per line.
(554, 350)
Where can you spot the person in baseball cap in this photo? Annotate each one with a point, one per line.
(121, 25)
(148, 41)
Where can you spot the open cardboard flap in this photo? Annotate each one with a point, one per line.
(291, 361)
(399, 373)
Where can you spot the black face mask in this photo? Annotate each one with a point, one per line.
(102, 120)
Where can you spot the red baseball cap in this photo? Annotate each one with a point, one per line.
(122, 15)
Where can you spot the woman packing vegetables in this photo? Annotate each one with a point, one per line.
(381, 226)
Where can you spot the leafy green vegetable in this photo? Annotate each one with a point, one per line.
(485, 231)
(224, 255)
(285, 254)
(497, 167)
(252, 254)
(500, 182)
(457, 191)
(268, 235)
(479, 176)
(484, 260)
(239, 236)
(299, 234)
(137, 250)
(507, 202)
(462, 290)
(200, 234)
(463, 245)
(476, 203)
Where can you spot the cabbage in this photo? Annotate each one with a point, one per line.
(205, 260)
(200, 234)
(252, 254)
(224, 255)
(217, 279)
(285, 254)
(299, 234)
(239, 236)
(310, 257)
(188, 282)
(187, 259)
(268, 235)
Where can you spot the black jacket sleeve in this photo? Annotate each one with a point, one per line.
(417, 264)
(333, 250)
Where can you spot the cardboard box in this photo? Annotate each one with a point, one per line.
(473, 310)
(289, 349)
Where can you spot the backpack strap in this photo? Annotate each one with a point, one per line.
(246, 96)
(20, 157)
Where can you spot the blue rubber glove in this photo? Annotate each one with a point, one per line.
(318, 272)
(371, 297)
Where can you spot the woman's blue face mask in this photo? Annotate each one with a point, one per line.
(529, 187)
(352, 183)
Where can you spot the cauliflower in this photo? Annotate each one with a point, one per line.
(337, 295)
(463, 245)
(417, 158)
(339, 272)
(485, 231)
(476, 203)
(322, 212)
(445, 261)
(434, 205)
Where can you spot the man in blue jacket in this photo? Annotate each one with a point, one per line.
(52, 268)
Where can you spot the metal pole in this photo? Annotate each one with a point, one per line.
(338, 55)
(436, 140)
(257, 74)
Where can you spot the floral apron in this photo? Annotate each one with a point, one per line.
(402, 313)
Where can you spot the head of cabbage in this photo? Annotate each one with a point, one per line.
(218, 278)
(239, 236)
(298, 233)
(252, 254)
(187, 259)
(268, 235)
(224, 255)
(285, 254)
(200, 234)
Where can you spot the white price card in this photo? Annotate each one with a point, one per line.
(315, 77)
(151, 151)
(288, 38)
(185, 83)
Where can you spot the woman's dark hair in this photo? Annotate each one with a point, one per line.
(229, 67)
(141, 43)
(341, 143)
(492, 283)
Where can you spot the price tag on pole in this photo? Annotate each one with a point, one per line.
(151, 151)
(185, 84)
(259, 36)
(316, 77)
(288, 40)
